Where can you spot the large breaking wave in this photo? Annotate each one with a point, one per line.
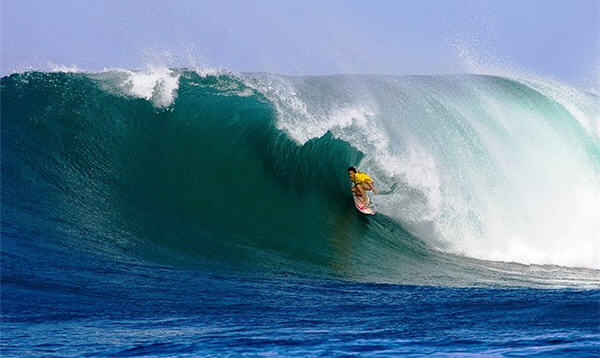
(192, 168)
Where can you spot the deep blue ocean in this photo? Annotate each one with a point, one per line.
(173, 213)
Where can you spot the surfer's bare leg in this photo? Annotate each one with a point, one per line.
(361, 192)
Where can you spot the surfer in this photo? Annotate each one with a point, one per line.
(362, 183)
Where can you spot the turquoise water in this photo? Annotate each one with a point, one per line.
(170, 212)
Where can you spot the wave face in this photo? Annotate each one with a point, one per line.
(249, 171)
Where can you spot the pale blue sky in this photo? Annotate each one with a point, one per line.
(557, 39)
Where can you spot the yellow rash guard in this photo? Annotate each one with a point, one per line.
(360, 178)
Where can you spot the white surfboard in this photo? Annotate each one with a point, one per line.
(364, 207)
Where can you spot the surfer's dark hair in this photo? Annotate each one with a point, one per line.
(352, 169)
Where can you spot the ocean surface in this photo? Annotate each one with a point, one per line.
(177, 212)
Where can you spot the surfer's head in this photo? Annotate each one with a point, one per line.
(351, 172)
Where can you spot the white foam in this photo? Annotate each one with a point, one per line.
(66, 68)
(206, 71)
(156, 84)
(545, 206)
(486, 183)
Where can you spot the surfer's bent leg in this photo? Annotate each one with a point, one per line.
(361, 190)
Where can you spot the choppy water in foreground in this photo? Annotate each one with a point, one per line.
(157, 311)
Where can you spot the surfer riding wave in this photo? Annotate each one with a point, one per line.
(362, 183)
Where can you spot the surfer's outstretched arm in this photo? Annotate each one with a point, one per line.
(372, 188)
